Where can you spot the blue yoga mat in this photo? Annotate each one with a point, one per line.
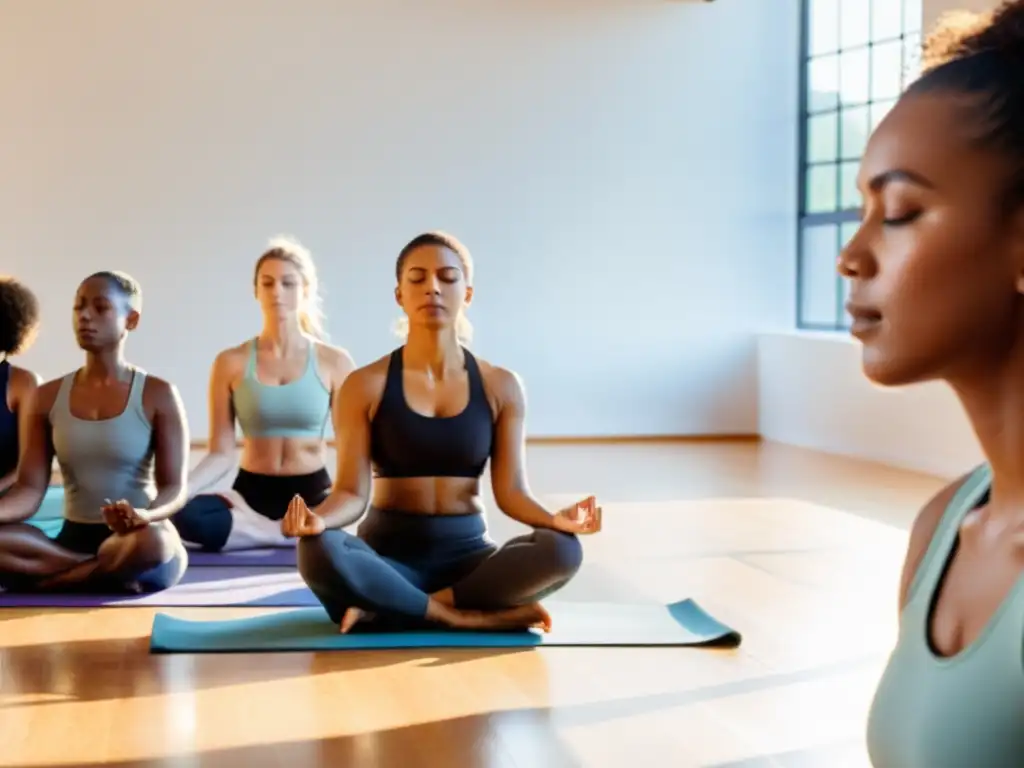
(50, 526)
(573, 624)
(50, 514)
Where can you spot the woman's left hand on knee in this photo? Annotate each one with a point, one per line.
(121, 517)
(583, 517)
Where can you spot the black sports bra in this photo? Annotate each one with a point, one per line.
(404, 443)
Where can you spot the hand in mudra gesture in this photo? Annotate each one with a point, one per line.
(300, 520)
(583, 517)
(121, 517)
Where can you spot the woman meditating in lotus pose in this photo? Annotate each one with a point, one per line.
(121, 440)
(424, 421)
(279, 387)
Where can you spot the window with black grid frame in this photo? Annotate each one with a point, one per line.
(857, 56)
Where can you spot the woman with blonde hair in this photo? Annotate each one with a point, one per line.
(279, 387)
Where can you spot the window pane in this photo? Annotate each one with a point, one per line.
(823, 83)
(854, 72)
(886, 19)
(855, 128)
(823, 27)
(886, 70)
(855, 22)
(849, 196)
(846, 231)
(821, 188)
(913, 16)
(911, 58)
(878, 111)
(819, 281)
(823, 138)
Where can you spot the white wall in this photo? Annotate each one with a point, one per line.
(604, 159)
(813, 393)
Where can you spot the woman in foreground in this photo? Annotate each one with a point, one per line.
(120, 438)
(424, 421)
(937, 292)
(279, 388)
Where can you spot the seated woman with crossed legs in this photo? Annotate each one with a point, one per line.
(279, 387)
(121, 440)
(427, 418)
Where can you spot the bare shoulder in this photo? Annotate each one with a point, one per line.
(923, 530)
(23, 377)
(364, 386)
(22, 384)
(161, 394)
(370, 377)
(505, 387)
(334, 359)
(931, 513)
(46, 395)
(232, 360)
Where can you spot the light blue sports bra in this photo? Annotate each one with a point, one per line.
(300, 408)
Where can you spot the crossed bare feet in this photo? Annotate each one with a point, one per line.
(352, 617)
(533, 616)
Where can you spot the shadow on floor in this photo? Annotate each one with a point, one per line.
(100, 670)
(519, 737)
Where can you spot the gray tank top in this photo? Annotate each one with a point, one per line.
(104, 459)
(959, 712)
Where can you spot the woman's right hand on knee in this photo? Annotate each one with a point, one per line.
(300, 520)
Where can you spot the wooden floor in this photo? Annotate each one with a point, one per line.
(798, 551)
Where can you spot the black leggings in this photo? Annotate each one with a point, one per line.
(206, 519)
(399, 558)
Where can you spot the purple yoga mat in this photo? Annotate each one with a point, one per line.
(278, 557)
(201, 586)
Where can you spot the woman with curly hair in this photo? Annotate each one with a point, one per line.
(19, 321)
(936, 274)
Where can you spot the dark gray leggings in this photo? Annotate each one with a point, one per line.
(398, 559)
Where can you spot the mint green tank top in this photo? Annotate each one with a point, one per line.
(966, 711)
(300, 408)
(106, 458)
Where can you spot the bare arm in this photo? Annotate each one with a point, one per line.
(170, 434)
(36, 461)
(221, 456)
(341, 365)
(508, 462)
(352, 479)
(23, 385)
(921, 533)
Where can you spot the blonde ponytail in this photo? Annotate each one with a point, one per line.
(311, 316)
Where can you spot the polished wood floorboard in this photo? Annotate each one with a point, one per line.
(798, 551)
